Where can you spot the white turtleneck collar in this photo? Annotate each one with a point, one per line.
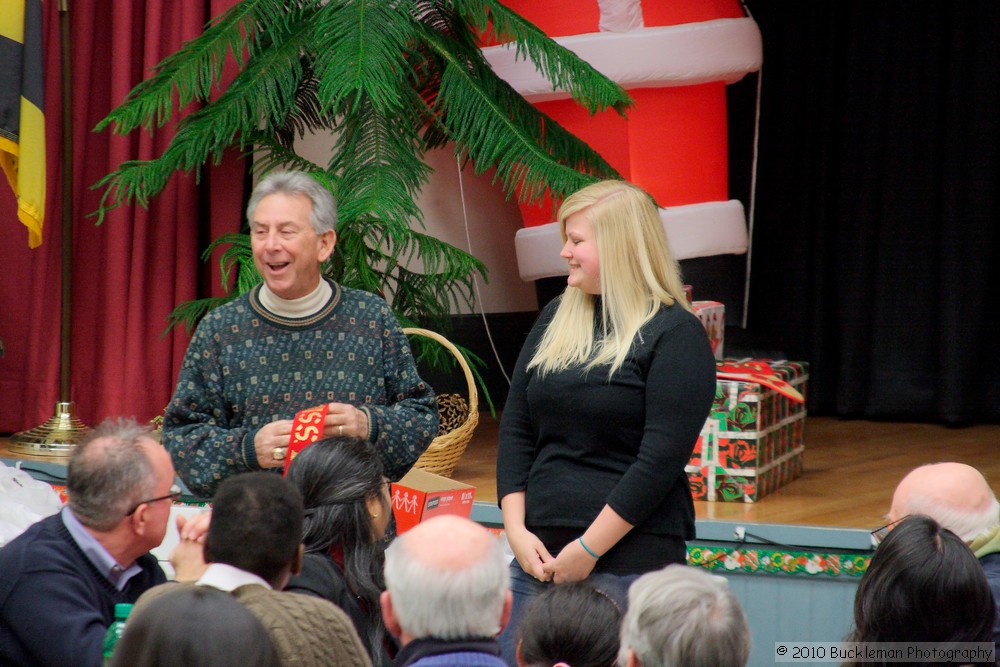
(305, 306)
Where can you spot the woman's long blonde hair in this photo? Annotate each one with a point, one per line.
(638, 274)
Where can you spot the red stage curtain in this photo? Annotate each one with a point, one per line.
(129, 273)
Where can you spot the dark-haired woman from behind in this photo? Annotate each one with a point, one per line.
(347, 509)
(572, 624)
(925, 585)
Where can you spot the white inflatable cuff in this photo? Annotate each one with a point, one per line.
(677, 55)
(694, 230)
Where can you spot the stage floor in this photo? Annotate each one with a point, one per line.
(851, 468)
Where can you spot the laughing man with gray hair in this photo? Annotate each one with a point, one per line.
(296, 341)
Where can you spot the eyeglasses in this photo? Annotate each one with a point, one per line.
(879, 533)
(175, 493)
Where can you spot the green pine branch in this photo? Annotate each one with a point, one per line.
(359, 53)
(194, 72)
(562, 67)
(532, 154)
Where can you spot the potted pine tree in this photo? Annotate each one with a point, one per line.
(390, 81)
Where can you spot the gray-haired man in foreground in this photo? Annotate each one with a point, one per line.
(681, 616)
(446, 594)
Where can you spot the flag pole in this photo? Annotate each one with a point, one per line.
(59, 435)
(66, 180)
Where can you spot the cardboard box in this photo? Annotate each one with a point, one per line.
(753, 440)
(419, 495)
(713, 316)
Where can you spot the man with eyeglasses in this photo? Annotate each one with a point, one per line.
(960, 499)
(61, 578)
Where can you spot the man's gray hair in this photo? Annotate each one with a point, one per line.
(109, 473)
(324, 207)
(682, 616)
(446, 604)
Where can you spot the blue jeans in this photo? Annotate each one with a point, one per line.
(525, 587)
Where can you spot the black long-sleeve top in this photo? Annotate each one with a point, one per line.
(575, 441)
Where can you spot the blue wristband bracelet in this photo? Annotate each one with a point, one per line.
(586, 548)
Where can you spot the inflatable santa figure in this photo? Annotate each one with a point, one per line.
(675, 58)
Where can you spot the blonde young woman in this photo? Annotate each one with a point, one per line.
(610, 392)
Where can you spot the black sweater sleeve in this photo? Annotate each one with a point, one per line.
(680, 385)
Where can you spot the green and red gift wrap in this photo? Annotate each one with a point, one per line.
(753, 440)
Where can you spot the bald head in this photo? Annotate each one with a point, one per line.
(446, 578)
(448, 543)
(956, 495)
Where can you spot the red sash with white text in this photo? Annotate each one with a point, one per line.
(307, 428)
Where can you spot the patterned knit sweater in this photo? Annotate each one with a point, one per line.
(306, 630)
(246, 367)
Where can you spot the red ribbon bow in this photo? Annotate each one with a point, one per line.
(759, 372)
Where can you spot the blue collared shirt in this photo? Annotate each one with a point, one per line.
(97, 554)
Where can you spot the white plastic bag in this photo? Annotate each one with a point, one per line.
(23, 501)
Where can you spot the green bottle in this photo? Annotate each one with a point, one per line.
(115, 630)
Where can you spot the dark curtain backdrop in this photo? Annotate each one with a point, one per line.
(129, 273)
(876, 240)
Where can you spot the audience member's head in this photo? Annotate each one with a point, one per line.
(195, 626)
(923, 584)
(955, 495)
(347, 509)
(446, 578)
(345, 496)
(257, 526)
(682, 616)
(121, 480)
(573, 624)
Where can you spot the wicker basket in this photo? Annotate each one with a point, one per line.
(458, 418)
